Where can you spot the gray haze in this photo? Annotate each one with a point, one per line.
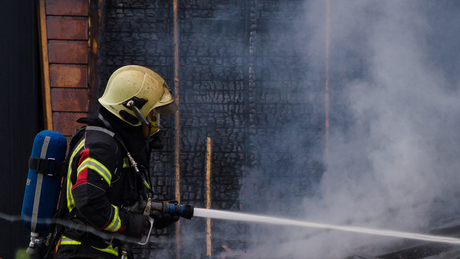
(394, 140)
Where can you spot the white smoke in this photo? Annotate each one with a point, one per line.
(394, 142)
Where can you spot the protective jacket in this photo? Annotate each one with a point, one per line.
(100, 182)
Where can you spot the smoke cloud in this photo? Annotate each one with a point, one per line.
(393, 137)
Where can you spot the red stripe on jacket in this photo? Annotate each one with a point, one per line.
(83, 175)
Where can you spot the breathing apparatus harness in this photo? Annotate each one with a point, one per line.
(49, 166)
(125, 247)
(133, 104)
(61, 218)
(133, 163)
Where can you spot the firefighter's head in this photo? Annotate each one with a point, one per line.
(137, 95)
(134, 93)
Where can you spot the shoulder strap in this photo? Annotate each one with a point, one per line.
(101, 129)
(73, 142)
(131, 159)
(110, 133)
(49, 167)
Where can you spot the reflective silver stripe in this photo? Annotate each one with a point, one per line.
(38, 186)
(115, 225)
(106, 131)
(96, 166)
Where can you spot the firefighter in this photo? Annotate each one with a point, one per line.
(108, 167)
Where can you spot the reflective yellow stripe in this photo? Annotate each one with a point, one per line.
(97, 166)
(110, 249)
(126, 162)
(70, 200)
(67, 241)
(116, 222)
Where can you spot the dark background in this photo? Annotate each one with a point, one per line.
(21, 116)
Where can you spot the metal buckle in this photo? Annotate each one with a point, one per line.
(54, 164)
(148, 235)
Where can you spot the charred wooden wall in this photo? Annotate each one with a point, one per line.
(245, 83)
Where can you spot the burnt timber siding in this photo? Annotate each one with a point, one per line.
(238, 86)
(140, 33)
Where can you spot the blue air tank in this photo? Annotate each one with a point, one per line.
(42, 189)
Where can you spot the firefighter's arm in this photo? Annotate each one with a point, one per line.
(93, 180)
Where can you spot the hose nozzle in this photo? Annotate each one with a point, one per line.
(173, 208)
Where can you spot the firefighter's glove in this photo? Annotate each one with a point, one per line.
(139, 224)
(164, 220)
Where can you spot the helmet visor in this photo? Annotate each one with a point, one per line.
(167, 109)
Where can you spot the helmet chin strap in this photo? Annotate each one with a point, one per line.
(130, 104)
(146, 123)
(138, 113)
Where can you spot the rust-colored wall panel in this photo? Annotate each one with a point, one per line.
(65, 122)
(68, 99)
(67, 28)
(62, 75)
(67, 7)
(74, 52)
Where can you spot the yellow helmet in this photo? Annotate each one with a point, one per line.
(136, 89)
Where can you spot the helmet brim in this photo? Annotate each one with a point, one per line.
(167, 109)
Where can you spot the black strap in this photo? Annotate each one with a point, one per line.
(120, 140)
(57, 230)
(110, 133)
(49, 166)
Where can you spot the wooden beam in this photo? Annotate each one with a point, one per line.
(208, 196)
(68, 52)
(95, 27)
(69, 99)
(67, 7)
(67, 28)
(66, 122)
(45, 74)
(68, 75)
(176, 118)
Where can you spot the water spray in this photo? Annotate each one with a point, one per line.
(217, 214)
(188, 211)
